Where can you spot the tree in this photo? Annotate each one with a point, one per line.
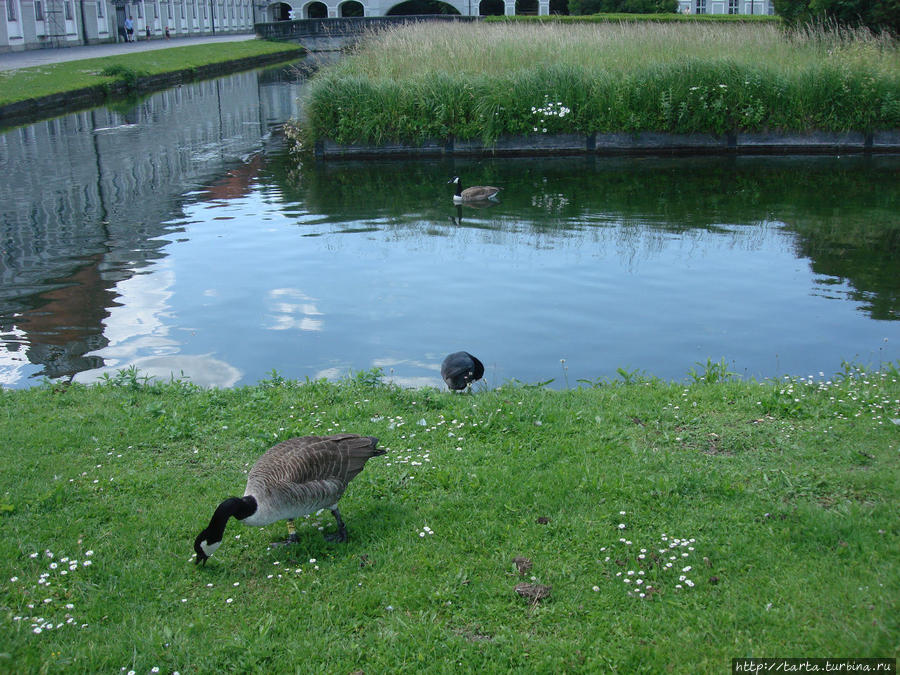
(874, 14)
(627, 6)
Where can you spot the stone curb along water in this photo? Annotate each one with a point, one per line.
(36, 109)
(627, 142)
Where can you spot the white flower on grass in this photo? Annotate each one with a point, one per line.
(596, 589)
(689, 582)
(14, 579)
(229, 601)
(621, 526)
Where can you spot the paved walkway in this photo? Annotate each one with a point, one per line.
(40, 57)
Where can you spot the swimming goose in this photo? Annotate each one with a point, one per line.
(476, 193)
(460, 369)
(292, 479)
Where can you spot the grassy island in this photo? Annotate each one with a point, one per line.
(678, 525)
(483, 81)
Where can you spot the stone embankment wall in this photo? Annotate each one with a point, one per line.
(613, 143)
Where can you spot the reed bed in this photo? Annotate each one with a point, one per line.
(412, 83)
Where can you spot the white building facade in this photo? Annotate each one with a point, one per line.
(759, 7)
(34, 24)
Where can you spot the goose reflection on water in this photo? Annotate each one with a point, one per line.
(458, 218)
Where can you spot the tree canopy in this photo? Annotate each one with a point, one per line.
(874, 14)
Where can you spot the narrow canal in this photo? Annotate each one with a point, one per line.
(177, 236)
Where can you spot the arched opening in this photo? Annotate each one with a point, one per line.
(412, 7)
(559, 6)
(527, 7)
(352, 8)
(491, 8)
(316, 10)
(279, 11)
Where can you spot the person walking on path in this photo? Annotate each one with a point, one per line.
(129, 29)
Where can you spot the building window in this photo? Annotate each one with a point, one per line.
(100, 10)
(733, 7)
(156, 10)
(140, 10)
(10, 10)
(68, 6)
(701, 7)
(38, 10)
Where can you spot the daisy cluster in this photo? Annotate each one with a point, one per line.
(645, 572)
(94, 477)
(855, 395)
(47, 599)
(548, 111)
(414, 455)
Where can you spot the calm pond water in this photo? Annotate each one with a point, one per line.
(175, 235)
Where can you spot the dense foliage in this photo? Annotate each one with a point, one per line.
(627, 6)
(874, 14)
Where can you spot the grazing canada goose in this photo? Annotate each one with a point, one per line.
(460, 369)
(292, 479)
(476, 193)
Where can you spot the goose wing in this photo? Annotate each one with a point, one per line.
(480, 192)
(310, 471)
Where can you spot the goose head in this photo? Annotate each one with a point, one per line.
(210, 539)
(204, 547)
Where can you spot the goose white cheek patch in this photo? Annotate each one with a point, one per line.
(209, 549)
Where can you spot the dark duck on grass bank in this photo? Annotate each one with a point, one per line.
(461, 369)
(294, 478)
(476, 193)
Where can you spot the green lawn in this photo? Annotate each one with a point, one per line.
(38, 81)
(678, 524)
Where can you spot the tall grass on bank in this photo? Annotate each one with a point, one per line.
(678, 526)
(482, 81)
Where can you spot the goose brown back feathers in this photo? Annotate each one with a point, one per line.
(302, 475)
